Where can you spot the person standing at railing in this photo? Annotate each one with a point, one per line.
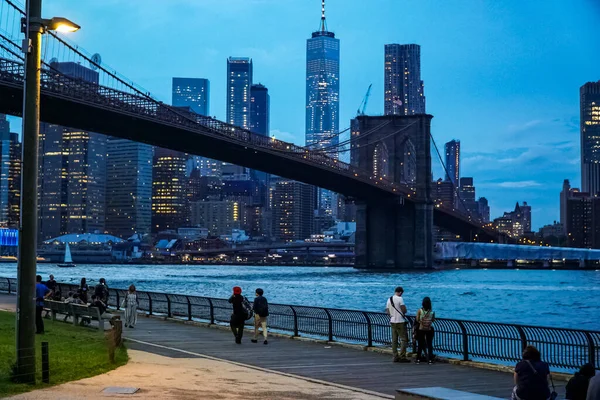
(532, 377)
(396, 309)
(83, 291)
(239, 314)
(424, 327)
(261, 312)
(101, 291)
(130, 304)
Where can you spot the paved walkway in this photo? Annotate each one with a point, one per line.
(363, 370)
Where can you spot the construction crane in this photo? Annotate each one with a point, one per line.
(363, 104)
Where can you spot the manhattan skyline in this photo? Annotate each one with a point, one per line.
(503, 79)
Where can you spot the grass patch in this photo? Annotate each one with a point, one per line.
(75, 353)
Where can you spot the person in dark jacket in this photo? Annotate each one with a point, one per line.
(83, 291)
(101, 291)
(238, 317)
(578, 385)
(261, 312)
(531, 377)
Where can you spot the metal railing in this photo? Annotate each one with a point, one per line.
(496, 342)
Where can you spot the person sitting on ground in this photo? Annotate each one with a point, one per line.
(261, 312)
(531, 377)
(578, 385)
(424, 326)
(238, 316)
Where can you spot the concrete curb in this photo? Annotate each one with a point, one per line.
(381, 350)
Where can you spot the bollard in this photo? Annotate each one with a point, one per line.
(45, 363)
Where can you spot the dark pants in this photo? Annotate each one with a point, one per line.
(237, 327)
(39, 321)
(425, 339)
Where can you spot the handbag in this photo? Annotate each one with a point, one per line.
(553, 394)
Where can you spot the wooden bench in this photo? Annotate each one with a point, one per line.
(440, 393)
(77, 311)
(82, 311)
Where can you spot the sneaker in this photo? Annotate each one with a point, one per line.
(265, 342)
(254, 341)
(430, 362)
(417, 361)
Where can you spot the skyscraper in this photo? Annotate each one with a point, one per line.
(259, 109)
(484, 209)
(403, 87)
(322, 87)
(239, 82)
(169, 190)
(322, 100)
(293, 210)
(10, 175)
(453, 161)
(590, 137)
(72, 173)
(466, 192)
(193, 93)
(128, 187)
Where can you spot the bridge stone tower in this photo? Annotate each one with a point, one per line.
(395, 233)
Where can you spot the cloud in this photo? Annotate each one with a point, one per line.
(524, 126)
(519, 184)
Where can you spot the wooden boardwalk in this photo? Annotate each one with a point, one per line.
(345, 366)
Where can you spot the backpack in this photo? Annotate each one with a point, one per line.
(426, 320)
(247, 308)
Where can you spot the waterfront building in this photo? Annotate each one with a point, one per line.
(72, 165)
(515, 223)
(403, 87)
(322, 101)
(128, 187)
(555, 230)
(293, 210)
(169, 190)
(466, 192)
(259, 109)
(484, 209)
(453, 161)
(239, 83)
(444, 194)
(583, 220)
(590, 132)
(193, 93)
(10, 176)
(566, 193)
(220, 217)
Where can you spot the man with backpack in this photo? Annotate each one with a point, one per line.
(242, 311)
(396, 309)
(261, 312)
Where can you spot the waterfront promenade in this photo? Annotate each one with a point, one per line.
(337, 365)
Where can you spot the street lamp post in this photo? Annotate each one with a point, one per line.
(34, 26)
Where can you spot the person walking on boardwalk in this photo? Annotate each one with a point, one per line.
(532, 377)
(41, 292)
(396, 309)
(423, 325)
(130, 304)
(239, 314)
(261, 312)
(578, 385)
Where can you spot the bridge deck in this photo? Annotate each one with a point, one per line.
(360, 369)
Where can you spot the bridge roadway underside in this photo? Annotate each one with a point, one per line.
(76, 113)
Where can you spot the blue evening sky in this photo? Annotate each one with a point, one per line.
(501, 76)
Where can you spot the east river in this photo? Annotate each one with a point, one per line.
(531, 297)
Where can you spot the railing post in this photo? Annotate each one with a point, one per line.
(212, 311)
(189, 308)
(169, 315)
(8, 280)
(118, 300)
(369, 330)
(522, 337)
(591, 349)
(295, 321)
(149, 303)
(45, 363)
(330, 323)
(465, 340)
